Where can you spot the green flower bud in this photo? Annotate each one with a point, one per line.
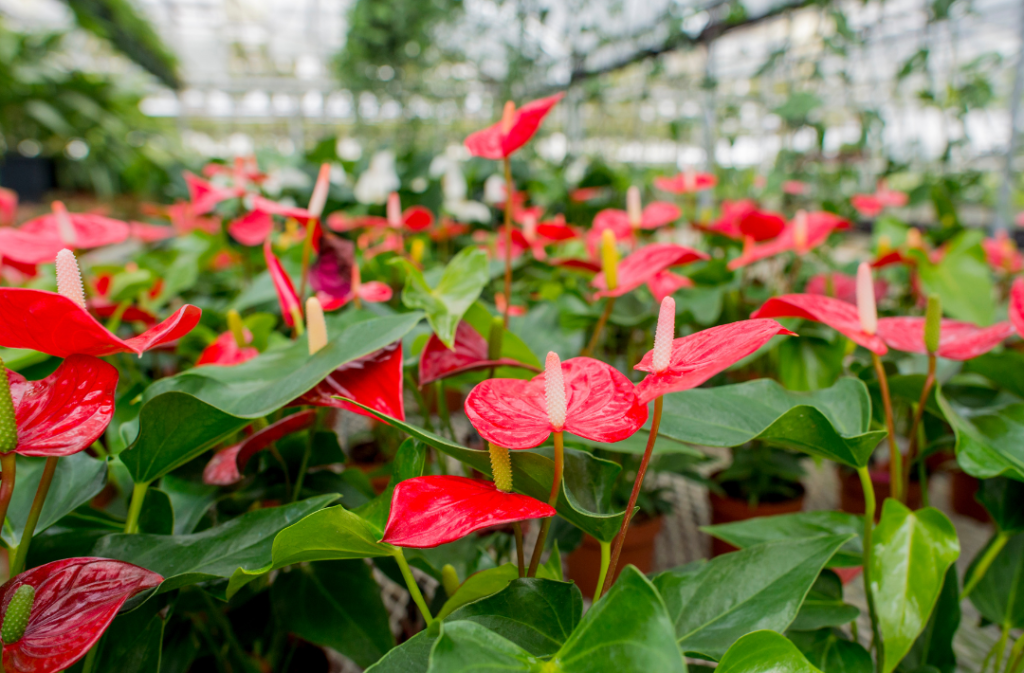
(933, 324)
(18, 611)
(8, 425)
(449, 579)
(495, 338)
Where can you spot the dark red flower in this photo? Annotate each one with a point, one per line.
(226, 352)
(374, 380)
(957, 340)
(53, 324)
(696, 358)
(686, 182)
(75, 601)
(336, 278)
(643, 265)
(514, 130)
(601, 405)
(470, 354)
(430, 511)
(839, 315)
(67, 411)
(760, 225)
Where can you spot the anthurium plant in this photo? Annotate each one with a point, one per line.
(223, 439)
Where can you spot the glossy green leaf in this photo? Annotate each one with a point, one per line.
(999, 595)
(962, 279)
(713, 604)
(467, 647)
(832, 423)
(764, 652)
(585, 497)
(132, 643)
(934, 647)
(459, 286)
(1004, 500)
(910, 555)
(157, 513)
(489, 582)
(189, 499)
(743, 534)
(830, 653)
(185, 415)
(77, 479)
(810, 363)
(334, 604)
(216, 553)
(1005, 369)
(824, 605)
(990, 440)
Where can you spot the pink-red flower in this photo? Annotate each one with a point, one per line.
(601, 405)
(432, 510)
(39, 240)
(514, 130)
(795, 187)
(8, 207)
(839, 315)
(645, 265)
(686, 182)
(656, 214)
(805, 232)
(75, 600)
(743, 219)
(1002, 254)
(872, 205)
(470, 354)
(957, 340)
(65, 412)
(226, 352)
(205, 195)
(1017, 305)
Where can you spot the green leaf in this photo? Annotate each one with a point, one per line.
(809, 363)
(335, 604)
(132, 643)
(77, 479)
(215, 553)
(832, 423)
(1005, 369)
(832, 654)
(934, 647)
(189, 499)
(824, 606)
(460, 285)
(585, 496)
(511, 345)
(157, 513)
(764, 652)
(1004, 500)
(185, 415)
(480, 585)
(743, 534)
(999, 595)
(989, 441)
(910, 555)
(962, 279)
(713, 604)
(467, 647)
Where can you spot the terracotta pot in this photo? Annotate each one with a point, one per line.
(585, 562)
(727, 510)
(851, 495)
(962, 489)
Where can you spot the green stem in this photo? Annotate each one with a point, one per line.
(986, 560)
(90, 659)
(601, 322)
(869, 524)
(420, 402)
(606, 557)
(556, 483)
(1016, 660)
(9, 464)
(895, 457)
(1004, 638)
(620, 539)
(304, 465)
(915, 440)
(33, 516)
(131, 526)
(414, 589)
(509, 194)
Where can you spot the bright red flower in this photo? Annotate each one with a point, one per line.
(601, 405)
(226, 352)
(291, 309)
(205, 195)
(696, 358)
(1002, 254)
(957, 340)
(733, 213)
(514, 130)
(839, 315)
(799, 236)
(8, 207)
(760, 225)
(39, 240)
(430, 511)
(374, 380)
(844, 287)
(1017, 306)
(75, 601)
(686, 182)
(53, 324)
(469, 355)
(67, 411)
(643, 265)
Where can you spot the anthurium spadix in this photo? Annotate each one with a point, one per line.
(58, 324)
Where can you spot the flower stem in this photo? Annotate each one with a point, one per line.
(520, 552)
(414, 589)
(895, 457)
(1016, 658)
(1000, 646)
(620, 539)
(131, 526)
(509, 193)
(986, 561)
(33, 516)
(304, 465)
(545, 525)
(912, 451)
(601, 322)
(869, 525)
(606, 557)
(8, 462)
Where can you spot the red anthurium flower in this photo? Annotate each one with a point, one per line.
(226, 352)
(260, 440)
(696, 358)
(252, 228)
(643, 265)
(374, 380)
(244, 169)
(601, 405)
(291, 310)
(39, 240)
(184, 219)
(666, 283)
(222, 470)
(205, 195)
(271, 207)
(733, 213)
(74, 602)
(514, 130)
(470, 354)
(867, 205)
(150, 233)
(839, 315)
(957, 340)
(430, 511)
(1017, 305)
(656, 214)
(101, 306)
(844, 287)
(417, 218)
(760, 225)
(8, 207)
(686, 182)
(806, 231)
(65, 412)
(1002, 254)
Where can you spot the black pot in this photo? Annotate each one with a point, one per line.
(30, 177)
